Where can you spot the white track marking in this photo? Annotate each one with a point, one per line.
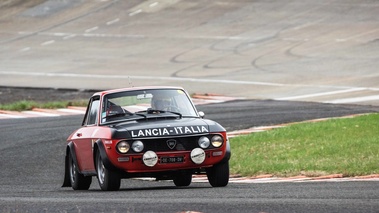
(91, 29)
(135, 12)
(153, 4)
(25, 49)
(320, 94)
(220, 81)
(74, 111)
(281, 180)
(74, 75)
(354, 100)
(44, 114)
(140, 36)
(69, 36)
(47, 42)
(11, 116)
(113, 21)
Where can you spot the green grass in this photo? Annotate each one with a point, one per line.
(339, 146)
(29, 105)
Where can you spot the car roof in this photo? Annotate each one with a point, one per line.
(102, 93)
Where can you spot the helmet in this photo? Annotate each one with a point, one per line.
(161, 101)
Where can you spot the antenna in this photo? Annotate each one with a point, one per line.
(130, 82)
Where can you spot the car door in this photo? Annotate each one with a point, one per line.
(82, 138)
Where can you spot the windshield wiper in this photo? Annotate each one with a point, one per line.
(176, 113)
(131, 117)
(121, 114)
(156, 111)
(162, 111)
(115, 115)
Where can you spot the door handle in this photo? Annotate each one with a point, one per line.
(79, 134)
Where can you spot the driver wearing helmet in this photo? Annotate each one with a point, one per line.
(161, 102)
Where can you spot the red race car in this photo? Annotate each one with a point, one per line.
(145, 132)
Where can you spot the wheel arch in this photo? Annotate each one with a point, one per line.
(228, 153)
(99, 147)
(70, 149)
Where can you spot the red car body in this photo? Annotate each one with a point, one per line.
(125, 135)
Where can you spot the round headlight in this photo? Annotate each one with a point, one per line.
(217, 141)
(123, 147)
(137, 146)
(204, 142)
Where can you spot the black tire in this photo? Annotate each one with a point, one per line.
(183, 178)
(77, 180)
(108, 179)
(218, 175)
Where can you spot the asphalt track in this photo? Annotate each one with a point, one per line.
(32, 154)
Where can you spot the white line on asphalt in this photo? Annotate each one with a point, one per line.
(41, 113)
(218, 81)
(11, 116)
(25, 49)
(75, 111)
(320, 94)
(91, 29)
(113, 21)
(145, 36)
(60, 34)
(111, 35)
(69, 36)
(74, 75)
(47, 42)
(135, 12)
(354, 100)
(153, 4)
(281, 180)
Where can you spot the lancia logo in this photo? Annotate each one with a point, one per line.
(171, 143)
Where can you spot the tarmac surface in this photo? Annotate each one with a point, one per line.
(32, 156)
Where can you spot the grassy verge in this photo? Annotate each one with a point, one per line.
(29, 105)
(344, 146)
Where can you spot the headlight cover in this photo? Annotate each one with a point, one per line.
(217, 141)
(123, 147)
(204, 142)
(137, 146)
(197, 156)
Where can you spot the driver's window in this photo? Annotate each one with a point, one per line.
(92, 112)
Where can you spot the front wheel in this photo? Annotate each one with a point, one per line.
(77, 180)
(108, 180)
(183, 178)
(218, 175)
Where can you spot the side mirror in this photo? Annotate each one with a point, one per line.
(201, 114)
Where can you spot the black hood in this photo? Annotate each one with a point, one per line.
(165, 128)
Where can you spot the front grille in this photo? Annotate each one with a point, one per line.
(182, 144)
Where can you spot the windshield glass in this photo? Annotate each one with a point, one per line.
(139, 104)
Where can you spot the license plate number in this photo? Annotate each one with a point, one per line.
(177, 159)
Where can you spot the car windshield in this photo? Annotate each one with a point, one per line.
(133, 105)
